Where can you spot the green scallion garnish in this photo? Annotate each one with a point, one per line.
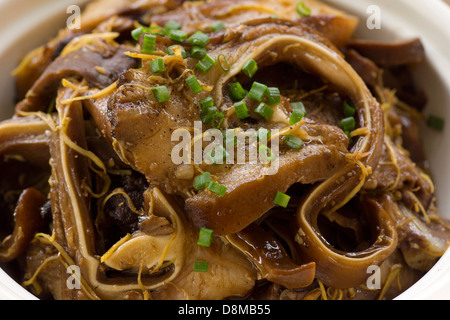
(292, 141)
(201, 266)
(349, 109)
(157, 65)
(217, 120)
(302, 10)
(161, 93)
(148, 46)
(194, 84)
(264, 111)
(298, 112)
(218, 155)
(223, 62)
(177, 35)
(217, 188)
(273, 96)
(171, 52)
(266, 153)
(257, 91)
(198, 52)
(202, 181)
(206, 102)
(348, 124)
(250, 68)
(218, 25)
(208, 113)
(136, 33)
(199, 39)
(205, 237)
(281, 199)
(237, 92)
(435, 122)
(172, 25)
(156, 30)
(205, 64)
(241, 110)
(262, 134)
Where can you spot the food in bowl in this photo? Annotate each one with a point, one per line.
(214, 150)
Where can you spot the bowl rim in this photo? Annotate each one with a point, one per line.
(433, 284)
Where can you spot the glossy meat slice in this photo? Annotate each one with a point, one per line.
(334, 24)
(142, 127)
(96, 12)
(99, 69)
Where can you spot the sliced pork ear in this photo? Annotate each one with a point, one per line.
(390, 54)
(26, 136)
(27, 221)
(95, 13)
(268, 254)
(334, 24)
(250, 190)
(139, 123)
(98, 69)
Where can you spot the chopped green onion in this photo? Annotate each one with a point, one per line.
(217, 120)
(218, 155)
(136, 33)
(237, 92)
(274, 16)
(194, 84)
(157, 65)
(264, 150)
(264, 111)
(273, 96)
(148, 46)
(257, 91)
(250, 68)
(296, 116)
(198, 52)
(435, 122)
(171, 52)
(206, 102)
(172, 25)
(217, 188)
(281, 199)
(208, 113)
(241, 110)
(298, 106)
(218, 25)
(262, 134)
(229, 139)
(348, 124)
(292, 141)
(161, 93)
(205, 64)
(302, 10)
(225, 61)
(349, 109)
(205, 237)
(298, 112)
(202, 181)
(201, 266)
(177, 35)
(156, 30)
(199, 38)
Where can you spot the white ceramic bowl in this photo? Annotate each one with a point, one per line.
(26, 24)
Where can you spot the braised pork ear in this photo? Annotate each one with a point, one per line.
(89, 180)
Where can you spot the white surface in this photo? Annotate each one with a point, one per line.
(25, 24)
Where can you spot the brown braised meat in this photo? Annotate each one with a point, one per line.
(321, 175)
